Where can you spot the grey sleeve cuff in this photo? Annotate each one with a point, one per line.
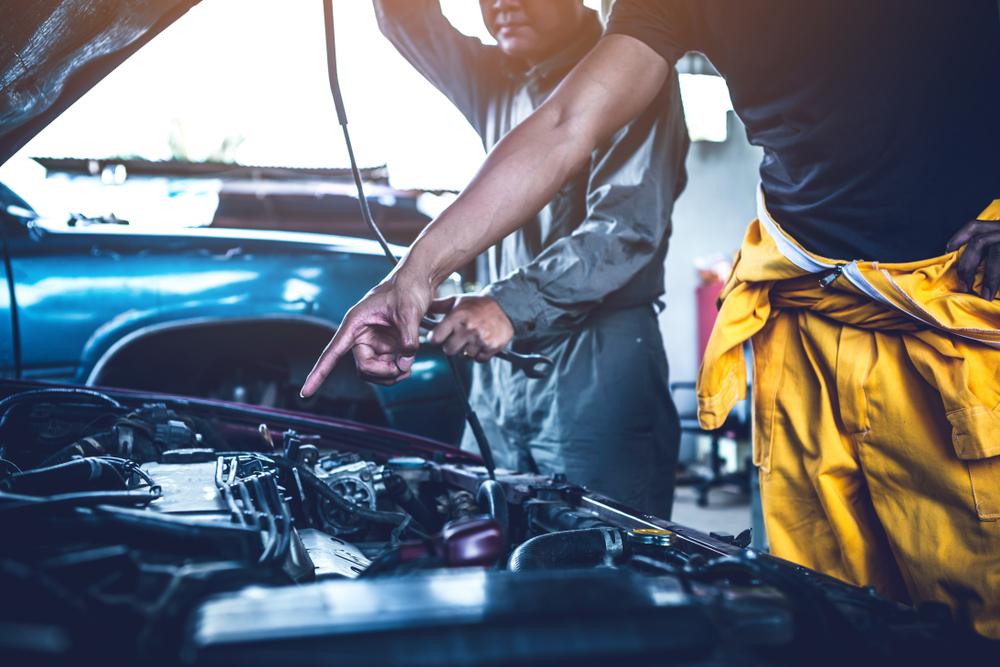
(521, 302)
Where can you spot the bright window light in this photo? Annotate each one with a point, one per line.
(706, 106)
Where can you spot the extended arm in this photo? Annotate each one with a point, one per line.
(461, 67)
(615, 255)
(609, 88)
(634, 179)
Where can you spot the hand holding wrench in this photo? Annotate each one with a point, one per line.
(535, 366)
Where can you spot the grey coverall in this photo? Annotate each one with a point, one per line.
(580, 282)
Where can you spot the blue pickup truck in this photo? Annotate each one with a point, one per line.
(233, 314)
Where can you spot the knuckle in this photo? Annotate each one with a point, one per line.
(979, 242)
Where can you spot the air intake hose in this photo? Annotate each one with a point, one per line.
(589, 547)
(493, 501)
(89, 474)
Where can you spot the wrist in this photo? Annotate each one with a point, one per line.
(413, 276)
(423, 265)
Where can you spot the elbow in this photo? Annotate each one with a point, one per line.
(573, 138)
(384, 24)
(383, 17)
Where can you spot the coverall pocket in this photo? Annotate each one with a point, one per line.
(768, 369)
(974, 431)
(984, 475)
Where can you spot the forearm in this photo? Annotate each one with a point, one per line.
(521, 174)
(634, 180)
(609, 88)
(525, 170)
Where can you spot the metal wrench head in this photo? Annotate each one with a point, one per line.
(535, 366)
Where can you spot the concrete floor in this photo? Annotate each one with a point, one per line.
(728, 511)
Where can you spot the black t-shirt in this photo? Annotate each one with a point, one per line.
(879, 119)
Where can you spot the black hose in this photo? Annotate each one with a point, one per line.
(491, 499)
(399, 520)
(589, 547)
(387, 561)
(263, 510)
(282, 514)
(29, 531)
(551, 516)
(56, 393)
(403, 495)
(17, 502)
(83, 447)
(88, 474)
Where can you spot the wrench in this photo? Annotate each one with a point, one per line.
(535, 366)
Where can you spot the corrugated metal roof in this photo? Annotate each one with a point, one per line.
(218, 170)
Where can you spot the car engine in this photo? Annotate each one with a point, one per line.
(187, 532)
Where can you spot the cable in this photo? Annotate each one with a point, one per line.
(12, 502)
(55, 393)
(398, 520)
(485, 451)
(338, 102)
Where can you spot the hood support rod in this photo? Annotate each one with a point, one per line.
(485, 451)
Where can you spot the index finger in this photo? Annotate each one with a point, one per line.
(341, 343)
(439, 334)
(968, 230)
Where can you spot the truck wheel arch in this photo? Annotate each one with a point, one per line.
(210, 358)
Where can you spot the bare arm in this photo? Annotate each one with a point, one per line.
(609, 87)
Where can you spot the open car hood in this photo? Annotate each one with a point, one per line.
(54, 51)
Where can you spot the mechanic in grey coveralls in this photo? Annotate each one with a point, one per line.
(580, 283)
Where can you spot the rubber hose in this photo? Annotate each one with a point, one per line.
(557, 516)
(403, 495)
(56, 394)
(13, 502)
(589, 547)
(398, 519)
(89, 474)
(491, 499)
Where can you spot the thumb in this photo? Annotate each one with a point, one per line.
(338, 346)
(442, 306)
(408, 328)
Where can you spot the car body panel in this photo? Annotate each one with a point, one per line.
(8, 358)
(94, 289)
(83, 294)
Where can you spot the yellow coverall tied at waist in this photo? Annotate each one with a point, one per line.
(876, 425)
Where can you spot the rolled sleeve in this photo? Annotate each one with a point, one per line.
(467, 71)
(662, 25)
(615, 256)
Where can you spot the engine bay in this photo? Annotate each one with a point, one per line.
(189, 532)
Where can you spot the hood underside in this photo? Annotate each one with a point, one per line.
(54, 51)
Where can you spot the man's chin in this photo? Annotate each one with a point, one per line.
(520, 48)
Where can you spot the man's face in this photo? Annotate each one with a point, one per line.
(532, 29)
